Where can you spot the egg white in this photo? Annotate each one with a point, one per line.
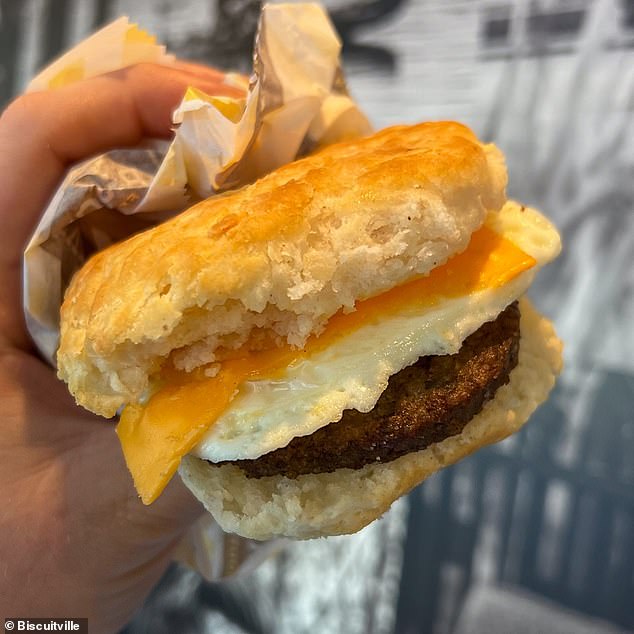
(353, 372)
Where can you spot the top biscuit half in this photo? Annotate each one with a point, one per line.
(272, 262)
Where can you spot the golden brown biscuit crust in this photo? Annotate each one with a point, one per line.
(280, 256)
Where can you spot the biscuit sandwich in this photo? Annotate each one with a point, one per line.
(307, 349)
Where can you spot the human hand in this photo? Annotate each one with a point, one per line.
(75, 541)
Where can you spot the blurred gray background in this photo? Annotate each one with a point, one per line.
(535, 534)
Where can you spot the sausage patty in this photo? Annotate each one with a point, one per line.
(423, 404)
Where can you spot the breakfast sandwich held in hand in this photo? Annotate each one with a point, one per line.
(307, 349)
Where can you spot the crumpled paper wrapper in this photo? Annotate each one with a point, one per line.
(295, 102)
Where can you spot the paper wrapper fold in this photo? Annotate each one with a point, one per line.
(295, 102)
(116, 46)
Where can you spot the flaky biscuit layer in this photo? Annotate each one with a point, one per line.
(274, 260)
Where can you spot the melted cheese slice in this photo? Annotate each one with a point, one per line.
(155, 436)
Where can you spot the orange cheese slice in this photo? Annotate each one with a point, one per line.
(155, 436)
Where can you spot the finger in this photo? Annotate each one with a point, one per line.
(198, 71)
(42, 133)
(205, 71)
